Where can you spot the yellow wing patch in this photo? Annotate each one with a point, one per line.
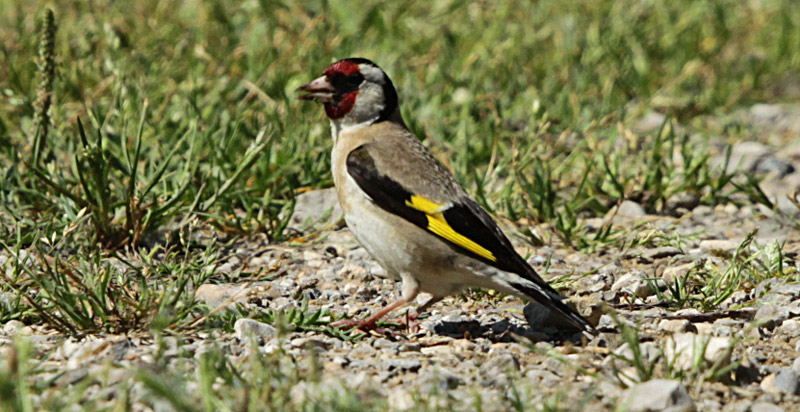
(439, 226)
(425, 205)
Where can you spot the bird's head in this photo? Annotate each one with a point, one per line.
(354, 91)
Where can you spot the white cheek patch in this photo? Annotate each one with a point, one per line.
(372, 74)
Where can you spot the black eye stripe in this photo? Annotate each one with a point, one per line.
(344, 83)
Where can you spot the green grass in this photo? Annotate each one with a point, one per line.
(126, 126)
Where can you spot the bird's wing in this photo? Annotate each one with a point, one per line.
(425, 194)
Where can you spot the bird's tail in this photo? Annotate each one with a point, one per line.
(553, 302)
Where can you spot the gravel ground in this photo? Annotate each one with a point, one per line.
(478, 348)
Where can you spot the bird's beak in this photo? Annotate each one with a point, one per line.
(320, 90)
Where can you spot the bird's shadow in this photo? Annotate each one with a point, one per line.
(499, 331)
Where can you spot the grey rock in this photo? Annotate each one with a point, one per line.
(744, 156)
(633, 283)
(765, 112)
(766, 407)
(792, 290)
(676, 326)
(502, 363)
(702, 210)
(767, 285)
(593, 283)
(683, 200)
(627, 210)
(773, 165)
(658, 395)
(771, 316)
(718, 245)
(650, 122)
(787, 381)
(245, 328)
(673, 273)
(215, 295)
(738, 406)
(790, 327)
(438, 380)
(661, 252)
(315, 209)
(14, 327)
(682, 350)
(73, 376)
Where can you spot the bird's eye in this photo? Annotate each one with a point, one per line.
(354, 79)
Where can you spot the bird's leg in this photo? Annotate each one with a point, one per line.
(424, 307)
(410, 319)
(369, 322)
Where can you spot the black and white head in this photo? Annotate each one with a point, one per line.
(355, 92)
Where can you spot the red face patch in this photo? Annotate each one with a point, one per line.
(337, 109)
(343, 67)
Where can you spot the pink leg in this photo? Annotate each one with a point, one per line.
(411, 319)
(424, 307)
(369, 323)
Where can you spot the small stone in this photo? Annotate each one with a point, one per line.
(765, 407)
(661, 252)
(14, 326)
(657, 395)
(315, 209)
(744, 156)
(245, 328)
(592, 283)
(765, 112)
(676, 326)
(773, 165)
(766, 383)
(215, 295)
(650, 122)
(682, 350)
(683, 200)
(500, 364)
(787, 381)
(400, 399)
(738, 406)
(770, 316)
(624, 354)
(627, 210)
(790, 327)
(671, 274)
(438, 380)
(633, 283)
(590, 307)
(717, 245)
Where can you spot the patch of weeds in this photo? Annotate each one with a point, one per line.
(274, 382)
(564, 186)
(288, 320)
(645, 361)
(707, 285)
(15, 388)
(87, 292)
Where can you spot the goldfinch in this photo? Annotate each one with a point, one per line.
(405, 208)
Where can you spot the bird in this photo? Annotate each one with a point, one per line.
(406, 209)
